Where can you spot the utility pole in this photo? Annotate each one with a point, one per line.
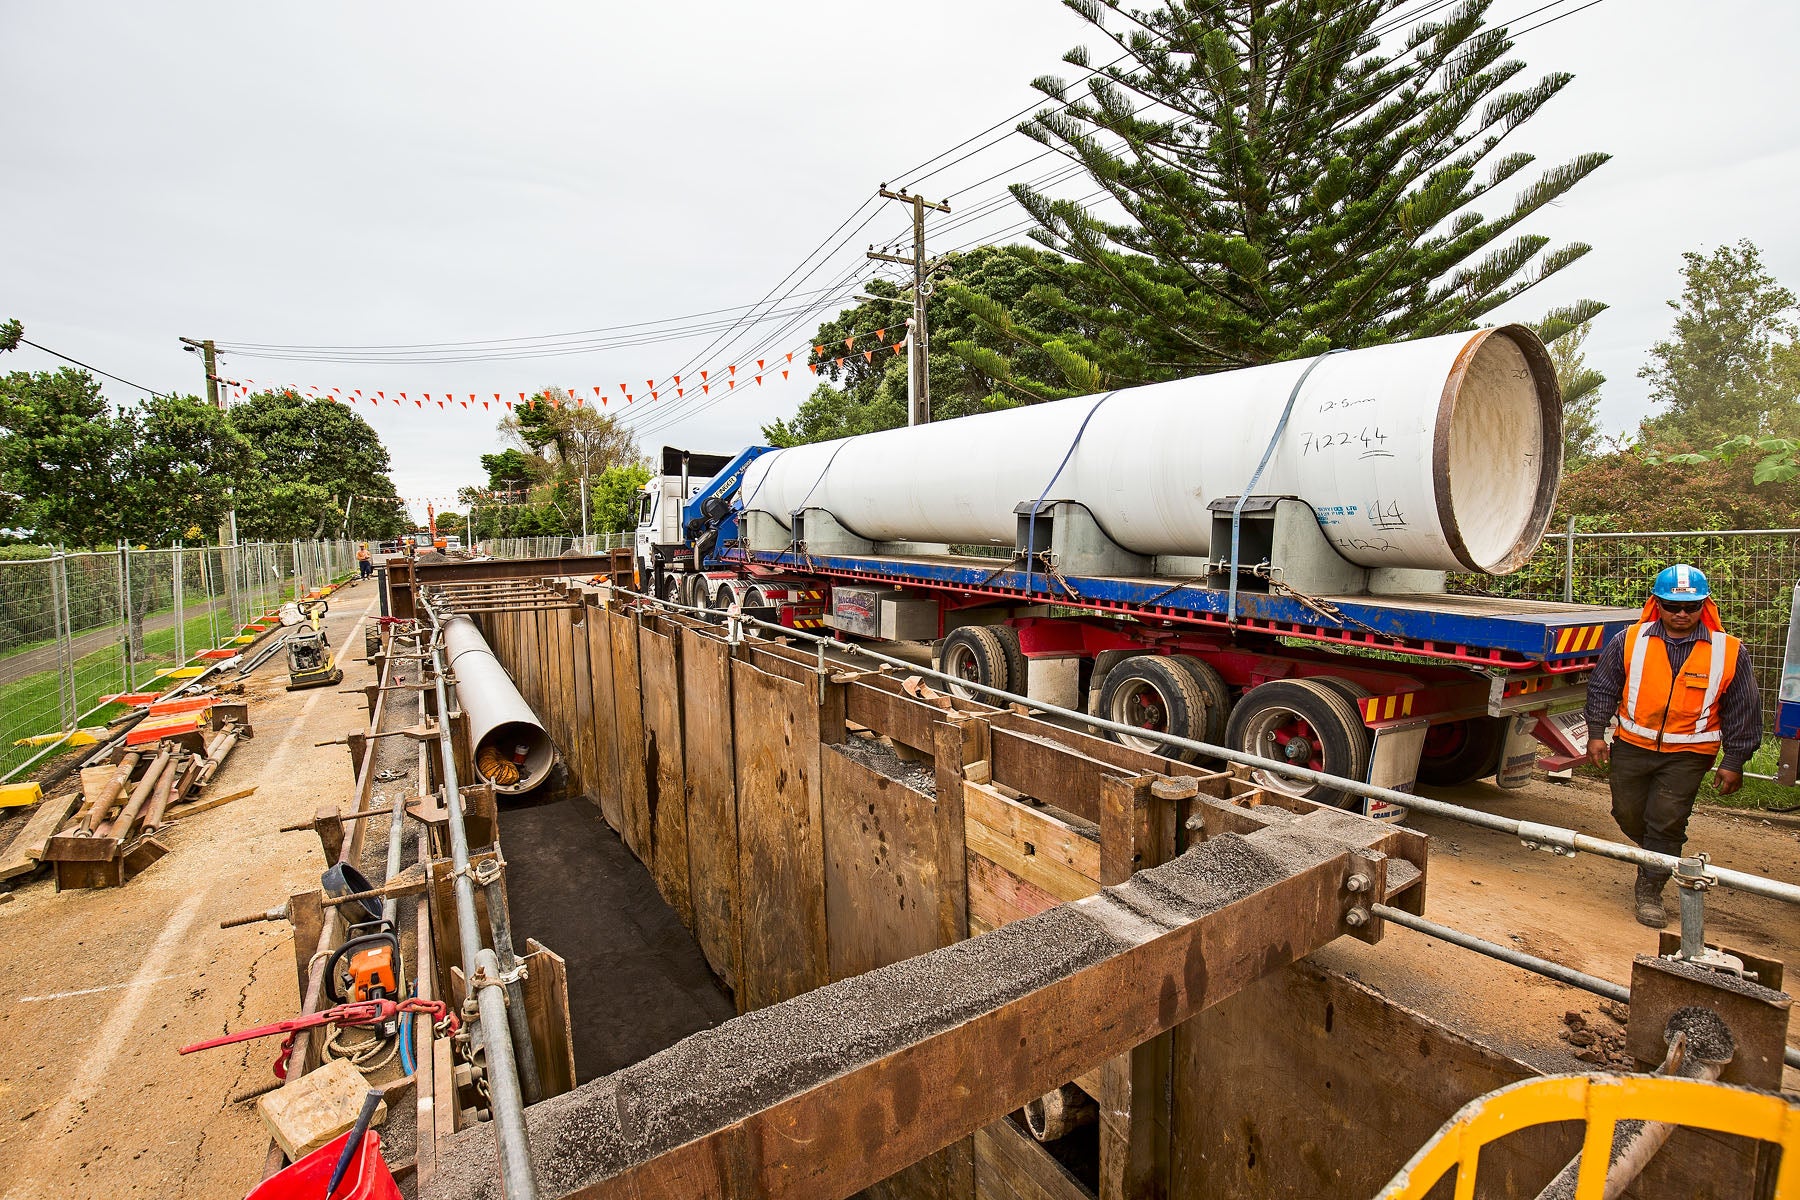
(918, 387)
(209, 355)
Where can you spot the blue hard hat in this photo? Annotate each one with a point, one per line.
(1680, 582)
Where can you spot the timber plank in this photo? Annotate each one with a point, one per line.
(998, 897)
(1050, 771)
(607, 792)
(781, 859)
(881, 877)
(665, 794)
(27, 847)
(546, 986)
(581, 735)
(628, 714)
(1011, 1165)
(708, 760)
(1057, 878)
(1026, 824)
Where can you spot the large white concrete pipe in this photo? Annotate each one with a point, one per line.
(1437, 454)
(498, 716)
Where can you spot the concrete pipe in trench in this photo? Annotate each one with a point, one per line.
(499, 718)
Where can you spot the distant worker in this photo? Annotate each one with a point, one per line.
(365, 566)
(1680, 694)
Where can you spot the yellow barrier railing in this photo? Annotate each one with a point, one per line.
(1601, 1101)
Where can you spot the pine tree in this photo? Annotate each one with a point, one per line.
(1285, 176)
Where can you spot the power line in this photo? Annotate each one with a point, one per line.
(96, 370)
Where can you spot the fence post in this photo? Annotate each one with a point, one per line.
(1569, 564)
(124, 618)
(180, 618)
(65, 650)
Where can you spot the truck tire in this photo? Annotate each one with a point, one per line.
(1459, 752)
(726, 594)
(1307, 722)
(1213, 691)
(1155, 692)
(977, 654)
(693, 591)
(671, 588)
(1016, 678)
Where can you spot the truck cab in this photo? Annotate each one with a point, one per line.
(658, 540)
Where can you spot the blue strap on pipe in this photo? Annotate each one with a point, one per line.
(1031, 518)
(1237, 511)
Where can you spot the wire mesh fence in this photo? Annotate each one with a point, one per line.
(1752, 573)
(78, 628)
(553, 547)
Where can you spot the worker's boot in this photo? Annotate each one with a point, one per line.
(1649, 902)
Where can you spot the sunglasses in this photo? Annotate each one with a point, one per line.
(1681, 606)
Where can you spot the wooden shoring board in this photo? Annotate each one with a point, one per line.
(998, 897)
(628, 714)
(1043, 768)
(1036, 834)
(546, 988)
(665, 795)
(881, 876)
(562, 646)
(776, 732)
(606, 732)
(581, 728)
(708, 759)
(1011, 1165)
(1353, 1084)
(956, 742)
(869, 1075)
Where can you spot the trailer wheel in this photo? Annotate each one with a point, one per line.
(754, 597)
(725, 595)
(1016, 678)
(1459, 752)
(671, 589)
(977, 654)
(1156, 693)
(693, 591)
(1213, 691)
(1306, 722)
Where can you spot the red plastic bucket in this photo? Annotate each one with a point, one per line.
(367, 1179)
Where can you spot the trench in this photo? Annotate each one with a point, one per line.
(637, 981)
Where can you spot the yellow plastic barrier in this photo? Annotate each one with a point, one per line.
(1601, 1101)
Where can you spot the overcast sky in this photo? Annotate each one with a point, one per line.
(396, 174)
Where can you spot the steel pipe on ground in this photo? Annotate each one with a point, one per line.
(499, 718)
(1437, 454)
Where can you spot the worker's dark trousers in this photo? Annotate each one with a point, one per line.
(1653, 794)
(366, 568)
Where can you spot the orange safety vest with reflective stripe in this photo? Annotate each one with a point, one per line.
(1675, 710)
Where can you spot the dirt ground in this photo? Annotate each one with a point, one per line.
(1576, 911)
(98, 989)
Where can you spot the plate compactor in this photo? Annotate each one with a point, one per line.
(310, 661)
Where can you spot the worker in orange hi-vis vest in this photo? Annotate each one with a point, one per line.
(1677, 691)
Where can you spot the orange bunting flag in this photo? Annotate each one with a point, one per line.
(759, 381)
(653, 395)
(819, 351)
(509, 403)
(897, 347)
(703, 375)
(850, 342)
(705, 388)
(732, 369)
(599, 393)
(868, 356)
(336, 392)
(881, 334)
(358, 391)
(622, 390)
(678, 379)
(812, 368)
(759, 364)
(679, 392)
(418, 404)
(403, 396)
(521, 397)
(837, 362)
(428, 395)
(383, 395)
(484, 403)
(650, 383)
(731, 383)
(440, 404)
(628, 398)
(784, 374)
(790, 356)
